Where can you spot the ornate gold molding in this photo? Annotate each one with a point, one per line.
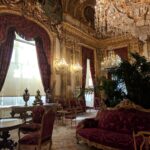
(29, 9)
(82, 36)
(127, 104)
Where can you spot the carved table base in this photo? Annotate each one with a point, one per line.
(5, 142)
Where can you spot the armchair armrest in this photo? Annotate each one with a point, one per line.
(142, 139)
(88, 123)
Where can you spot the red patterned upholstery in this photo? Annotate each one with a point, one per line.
(118, 140)
(114, 128)
(30, 127)
(30, 139)
(35, 125)
(47, 125)
(43, 135)
(37, 114)
(124, 120)
(63, 103)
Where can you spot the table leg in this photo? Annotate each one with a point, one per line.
(6, 142)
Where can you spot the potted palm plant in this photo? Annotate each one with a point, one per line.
(136, 76)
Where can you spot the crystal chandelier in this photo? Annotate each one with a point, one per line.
(76, 68)
(110, 61)
(121, 17)
(61, 65)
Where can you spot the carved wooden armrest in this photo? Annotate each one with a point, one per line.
(146, 139)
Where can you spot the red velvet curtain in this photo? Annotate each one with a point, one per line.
(84, 67)
(27, 30)
(122, 52)
(87, 54)
(6, 47)
(43, 63)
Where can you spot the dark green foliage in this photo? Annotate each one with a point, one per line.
(136, 76)
(114, 95)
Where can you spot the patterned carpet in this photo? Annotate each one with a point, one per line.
(64, 136)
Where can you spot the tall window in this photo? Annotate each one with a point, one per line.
(89, 97)
(23, 73)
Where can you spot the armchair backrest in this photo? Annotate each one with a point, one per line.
(47, 125)
(37, 114)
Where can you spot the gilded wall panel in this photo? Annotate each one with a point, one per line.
(69, 53)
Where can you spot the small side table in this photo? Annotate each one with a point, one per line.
(5, 126)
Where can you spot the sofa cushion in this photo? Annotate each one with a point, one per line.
(30, 139)
(124, 120)
(87, 132)
(116, 120)
(108, 138)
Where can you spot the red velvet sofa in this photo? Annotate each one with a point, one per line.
(113, 129)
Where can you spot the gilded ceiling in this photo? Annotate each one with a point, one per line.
(82, 10)
(55, 10)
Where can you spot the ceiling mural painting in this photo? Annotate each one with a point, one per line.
(89, 15)
(53, 9)
(81, 8)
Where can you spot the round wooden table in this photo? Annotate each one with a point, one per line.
(5, 126)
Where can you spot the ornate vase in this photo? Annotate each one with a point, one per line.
(26, 96)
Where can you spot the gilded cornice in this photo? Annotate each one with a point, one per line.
(30, 11)
(84, 37)
(116, 41)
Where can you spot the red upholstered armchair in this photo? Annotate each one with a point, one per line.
(36, 140)
(37, 114)
(71, 115)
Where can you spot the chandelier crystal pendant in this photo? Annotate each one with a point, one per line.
(61, 65)
(76, 67)
(110, 61)
(121, 17)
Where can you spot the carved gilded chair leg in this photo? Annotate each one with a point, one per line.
(135, 148)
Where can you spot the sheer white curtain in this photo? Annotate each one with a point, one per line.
(89, 97)
(23, 73)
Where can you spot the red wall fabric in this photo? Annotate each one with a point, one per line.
(28, 30)
(122, 52)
